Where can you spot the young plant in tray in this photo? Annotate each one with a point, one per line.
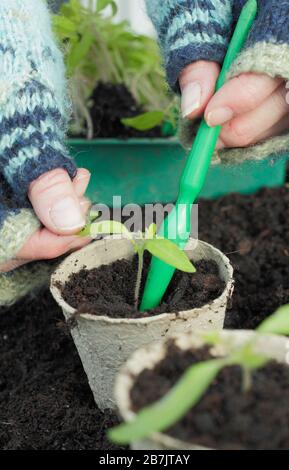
(149, 241)
(193, 384)
(99, 49)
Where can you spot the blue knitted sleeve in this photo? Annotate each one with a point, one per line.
(267, 48)
(191, 30)
(33, 102)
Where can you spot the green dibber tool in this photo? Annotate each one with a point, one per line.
(177, 225)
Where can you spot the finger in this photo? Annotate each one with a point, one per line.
(245, 130)
(44, 245)
(85, 205)
(238, 96)
(277, 130)
(56, 203)
(12, 264)
(197, 83)
(81, 181)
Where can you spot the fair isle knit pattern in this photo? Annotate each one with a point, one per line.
(34, 110)
(25, 280)
(191, 30)
(33, 102)
(266, 51)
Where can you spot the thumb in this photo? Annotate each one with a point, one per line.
(197, 83)
(56, 203)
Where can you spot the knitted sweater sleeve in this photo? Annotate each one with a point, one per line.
(33, 118)
(267, 48)
(33, 102)
(191, 30)
(266, 51)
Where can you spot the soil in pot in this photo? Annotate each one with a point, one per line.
(109, 289)
(109, 104)
(226, 417)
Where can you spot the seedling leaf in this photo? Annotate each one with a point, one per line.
(144, 121)
(105, 227)
(248, 358)
(278, 323)
(212, 338)
(151, 231)
(170, 253)
(102, 4)
(173, 406)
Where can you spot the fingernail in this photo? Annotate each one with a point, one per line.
(67, 215)
(191, 98)
(219, 116)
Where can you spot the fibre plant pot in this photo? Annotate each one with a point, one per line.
(144, 171)
(105, 343)
(273, 346)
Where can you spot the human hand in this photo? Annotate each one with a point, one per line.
(251, 107)
(61, 206)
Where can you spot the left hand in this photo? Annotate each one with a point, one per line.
(45, 244)
(251, 107)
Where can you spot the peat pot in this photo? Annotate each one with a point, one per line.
(276, 347)
(104, 343)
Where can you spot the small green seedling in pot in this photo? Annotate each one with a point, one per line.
(194, 383)
(149, 241)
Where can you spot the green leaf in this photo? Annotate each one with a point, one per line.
(102, 4)
(212, 338)
(144, 121)
(151, 231)
(278, 323)
(63, 25)
(93, 215)
(105, 227)
(248, 358)
(172, 407)
(170, 253)
(79, 51)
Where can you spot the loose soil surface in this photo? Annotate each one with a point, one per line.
(45, 400)
(254, 233)
(111, 103)
(109, 290)
(226, 417)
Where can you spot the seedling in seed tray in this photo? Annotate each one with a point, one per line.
(194, 383)
(149, 241)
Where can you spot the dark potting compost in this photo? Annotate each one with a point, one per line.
(109, 104)
(253, 231)
(45, 400)
(109, 289)
(226, 417)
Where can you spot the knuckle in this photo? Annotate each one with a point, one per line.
(237, 136)
(248, 90)
(47, 181)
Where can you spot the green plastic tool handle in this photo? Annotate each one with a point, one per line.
(177, 225)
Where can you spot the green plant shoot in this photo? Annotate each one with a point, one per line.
(196, 380)
(149, 241)
(99, 49)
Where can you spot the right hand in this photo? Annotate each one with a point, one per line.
(61, 206)
(251, 107)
